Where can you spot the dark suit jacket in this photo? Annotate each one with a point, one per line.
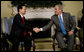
(19, 27)
(69, 24)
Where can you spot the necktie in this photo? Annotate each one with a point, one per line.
(23, 20)
(24, 23)
(62, 26)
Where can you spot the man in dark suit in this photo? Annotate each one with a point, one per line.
(20, 30)
(64, 27)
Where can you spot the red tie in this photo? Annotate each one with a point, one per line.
(25, 33)
(23, 20)
(24, 23)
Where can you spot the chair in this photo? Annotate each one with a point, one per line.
(77, 34)
(6, 25)
(11, 19)
(4, 36)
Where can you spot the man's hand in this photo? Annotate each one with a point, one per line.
(36, 29)
(70, 33)
(30, 33)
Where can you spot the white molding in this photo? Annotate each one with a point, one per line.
(37, 13)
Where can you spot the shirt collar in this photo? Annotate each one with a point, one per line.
(60, 15)
(21, 15)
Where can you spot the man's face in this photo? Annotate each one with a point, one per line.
(23, 10)
(57, 10)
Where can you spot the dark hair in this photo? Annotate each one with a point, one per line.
(20, 7)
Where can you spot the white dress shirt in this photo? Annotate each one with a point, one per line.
(61, 16)
(21, 15)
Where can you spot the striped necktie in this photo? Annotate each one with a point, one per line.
(62, 26)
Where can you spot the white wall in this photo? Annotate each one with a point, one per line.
(37, 13)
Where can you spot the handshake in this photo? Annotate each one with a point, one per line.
(36, 29)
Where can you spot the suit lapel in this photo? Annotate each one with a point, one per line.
(57, 20)
(21, 18)
(64, 19)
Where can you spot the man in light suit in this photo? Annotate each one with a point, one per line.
(64, 27)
